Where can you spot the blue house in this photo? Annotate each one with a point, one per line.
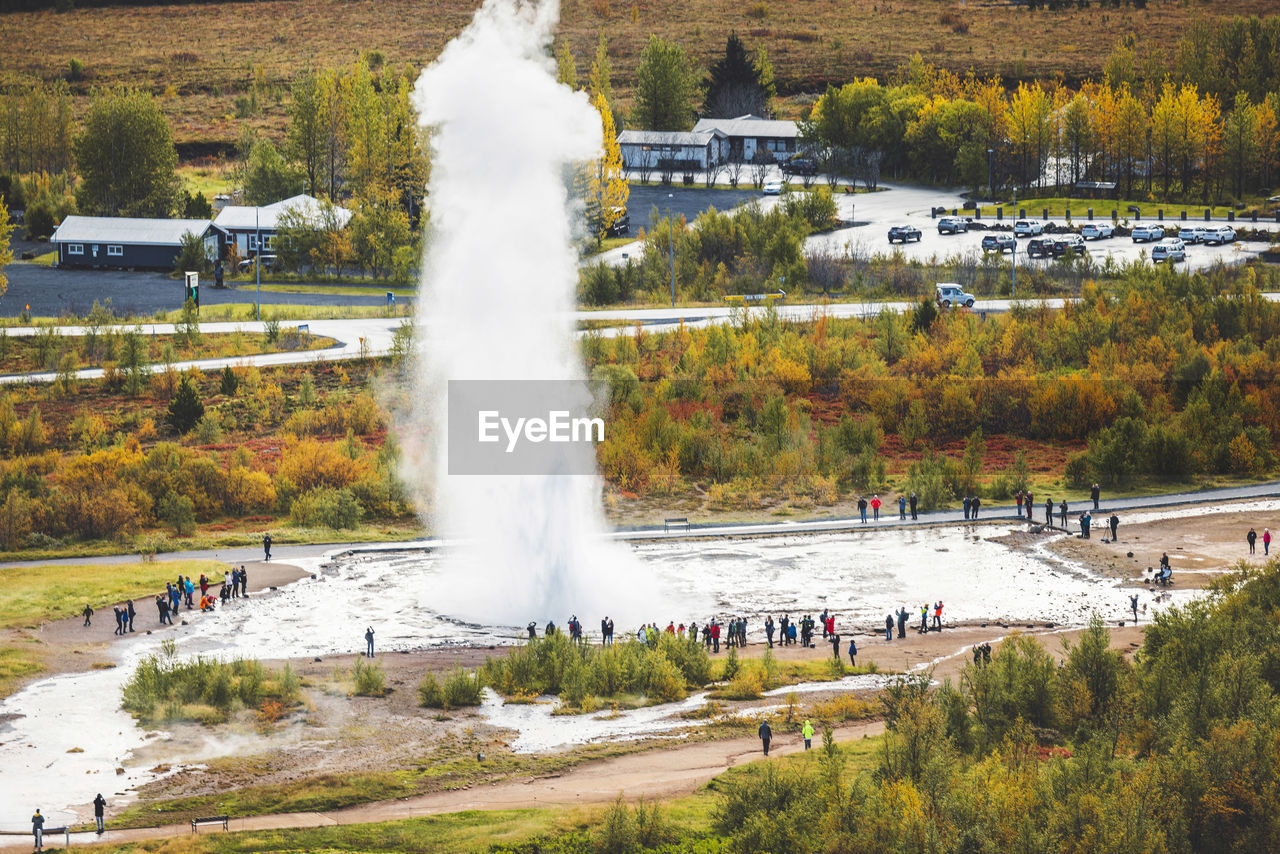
(108, 241)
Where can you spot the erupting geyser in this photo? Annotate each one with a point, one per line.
(497, 302)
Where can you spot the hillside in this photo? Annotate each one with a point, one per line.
(202, 57)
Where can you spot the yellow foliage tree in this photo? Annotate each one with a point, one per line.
(607, 189)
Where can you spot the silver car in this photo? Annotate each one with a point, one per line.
(1220, 235)
(1145, 233)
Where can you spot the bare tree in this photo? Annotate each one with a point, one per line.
(666, 166)
(760, 167)
(644, 166)
(827, 269)
(712, 173)
(735, 172)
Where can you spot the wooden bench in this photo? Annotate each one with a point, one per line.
(213, 819)
(679, 523)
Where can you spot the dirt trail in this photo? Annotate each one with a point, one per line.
(656, 773)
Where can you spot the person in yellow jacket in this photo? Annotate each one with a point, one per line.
(807, 732)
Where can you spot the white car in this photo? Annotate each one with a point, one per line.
(1192, 233)
(953, 225)
(1144, 233)
(1169, 249)
(1027, 228)
(773, 187)
(950, 294)
(1097, 230)
(1220, 235)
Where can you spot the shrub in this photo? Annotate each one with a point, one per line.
(325, 507)
(229, 383)
(369, 678)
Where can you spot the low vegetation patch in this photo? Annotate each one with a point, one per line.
(164, 688)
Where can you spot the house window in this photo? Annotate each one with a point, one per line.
(253, 242)
(268, 241)
(115, 251)
(75, 248)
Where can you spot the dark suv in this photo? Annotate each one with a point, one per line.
(999, 243)
(799, 166)
(1044, 247)
(904, 233)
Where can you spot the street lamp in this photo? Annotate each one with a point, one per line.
(671, 247)
(257, 262)
(991, 191)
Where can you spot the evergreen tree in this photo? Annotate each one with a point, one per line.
(664, 87)
(185, 410)
(229, 382)
(733, 86)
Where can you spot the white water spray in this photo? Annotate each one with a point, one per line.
(497, 303)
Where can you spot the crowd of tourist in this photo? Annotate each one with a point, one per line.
(203, 594)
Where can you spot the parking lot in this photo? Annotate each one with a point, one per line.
(874, 214)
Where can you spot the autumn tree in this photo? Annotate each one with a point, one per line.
(126, 157)
(566, 65)
(1240, 145)
(607, 188)
(664, 87)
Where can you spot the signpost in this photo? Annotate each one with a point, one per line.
(192, 289)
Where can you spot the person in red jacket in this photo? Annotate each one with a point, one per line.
(875, 507)
(715, 637)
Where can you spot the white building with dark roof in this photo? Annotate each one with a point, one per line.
(248, 226)
(748, 134)
(110, 241)
(678, 149)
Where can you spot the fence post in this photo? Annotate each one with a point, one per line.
(1255, 216)
(1022, 214)
(1231, 216)
(977, 211)
(1207, 211)
(1090, 214)
(1046, 214)
(1114, 216)
(1160, 214)
(999, 213)
(1184, 216)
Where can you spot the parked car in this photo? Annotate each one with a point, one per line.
(1144, 233)
(952, 225)
(904, 233)
(799, 166)
(268, 264)
(999, 243)
(1097, 230)
(1169, 249)
(772, 187)
(949, 294)
(1192, 233)
(1220, 235)
(1069, 243)
(1027, 228)
(621, 226)
(1042, 247)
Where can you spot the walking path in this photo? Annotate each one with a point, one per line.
(888, 519)
(651, 774)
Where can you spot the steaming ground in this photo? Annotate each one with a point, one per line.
(858, 576)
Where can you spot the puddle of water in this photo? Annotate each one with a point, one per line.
(541, 731)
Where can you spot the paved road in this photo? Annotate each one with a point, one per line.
(52, 293)
(888, 520)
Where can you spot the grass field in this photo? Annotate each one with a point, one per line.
(35, 353)
(30, 596)
(199, 61)
(1102, 208)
